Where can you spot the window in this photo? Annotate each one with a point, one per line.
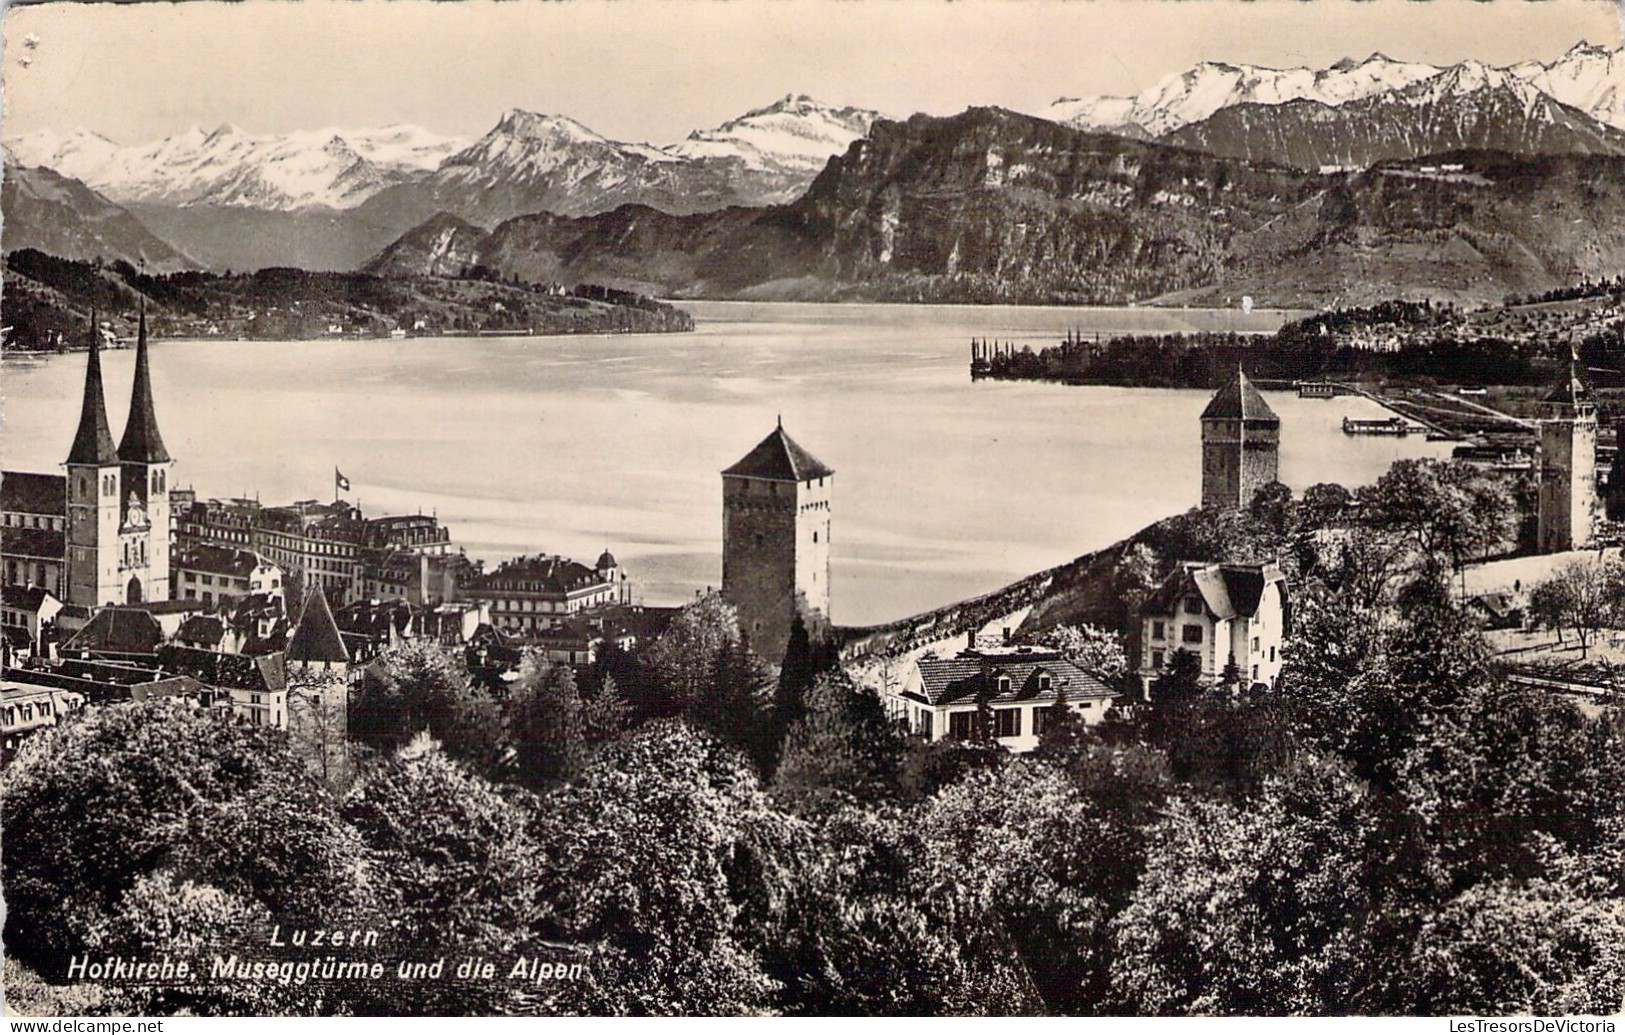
(1193, 605)
(1255, 645)
(1004, 684)
(1272, 655)
(1159, 630)
(815, 537)
(923, 723)
(1156, 659)
(1007, 722)
(1191, 634)
(1043, 681)
(959, 724)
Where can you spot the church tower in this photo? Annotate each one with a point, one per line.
(775, 541)
(1241, 445)
(144, 494)
(93, 495)
(1568, 464)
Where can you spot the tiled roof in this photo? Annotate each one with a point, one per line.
(29, 598)
(550, 574)
(1227, 590)
(317, 636)
(24, 492)
(44, 543)
(218, 560)
(207, 630)
(1239, 400)
(968, 678)
(123, 630)
(778, 458)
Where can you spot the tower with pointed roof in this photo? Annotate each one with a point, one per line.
(1241, 445)
(145, 465)
(1568, 463)
(93, 478)
(776, 541)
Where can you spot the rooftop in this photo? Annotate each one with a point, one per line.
(1239, 400)
(24, 492)
(778, 458)
(974, 676)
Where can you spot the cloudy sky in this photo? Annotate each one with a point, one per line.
(655, 69)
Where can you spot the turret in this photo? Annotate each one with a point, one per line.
(146, 464)
(1568, 463)
(93, 483)
(1241, 444)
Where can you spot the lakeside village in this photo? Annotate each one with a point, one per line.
(1255, 759)
(118, 587)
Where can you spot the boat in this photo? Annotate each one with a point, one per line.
(1389, 426)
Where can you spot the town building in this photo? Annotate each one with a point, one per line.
(100, 534)
(530, 594)
(28, 707)
(776, 541)
(29, 610)
(1225, 614)
(333, 547)
(1241, 445)
(221, 575)
(1013, 688)
(1567, 517)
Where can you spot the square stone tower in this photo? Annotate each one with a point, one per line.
(775, 540)
(1568, 464)
(1241, 445)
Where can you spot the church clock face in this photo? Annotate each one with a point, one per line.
(135, 515)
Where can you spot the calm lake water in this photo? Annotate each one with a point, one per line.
(944, 488)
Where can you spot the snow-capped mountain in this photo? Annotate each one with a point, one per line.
(1199, 91)
(1469, 106)
(286, 172)
(1588, 77)
(549, 163)
(795, 135)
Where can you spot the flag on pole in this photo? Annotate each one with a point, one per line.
(342, 483)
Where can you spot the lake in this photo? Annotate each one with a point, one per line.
(944, 488)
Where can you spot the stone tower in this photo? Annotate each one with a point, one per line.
(1568, 464)
(775, 540)
(1241, 445)
(93, 496)
(145, 464)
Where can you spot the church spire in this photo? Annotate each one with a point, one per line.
(141, 443)
(93, 442)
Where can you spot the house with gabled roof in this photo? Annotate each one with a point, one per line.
(1225, 614)
(1013, 688)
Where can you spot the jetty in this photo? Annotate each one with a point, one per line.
(1380, 426)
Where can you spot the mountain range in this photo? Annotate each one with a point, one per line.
(1587, 77)
(995, 206)
(1214, 175)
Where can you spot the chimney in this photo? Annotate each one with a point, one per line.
(1007, 636)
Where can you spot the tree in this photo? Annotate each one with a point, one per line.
(845, 747)
(738, 707)
(461, 863)
(124, 793)
(604, 712)
(318, 718)
(1272, 507)
(546, 722)
(423, 686)
(1254, 908)
(662, 858)
(683, 658)
(1512, 948)
(1450, 512)
(1581, 596)
(1097, 651)
(1324, 505)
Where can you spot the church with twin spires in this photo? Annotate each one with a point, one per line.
(98, 534)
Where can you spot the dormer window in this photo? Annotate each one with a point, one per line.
(1043, 682)
(1003, 683)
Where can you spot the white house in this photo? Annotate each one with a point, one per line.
(940, 697)
(1222, 613)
